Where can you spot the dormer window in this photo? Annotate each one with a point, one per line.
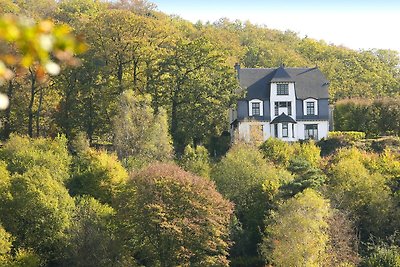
(256, 107)
(282, 89)
(310, 108)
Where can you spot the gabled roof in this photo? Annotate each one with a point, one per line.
(309, 82)
(283, 118)
(281, 75)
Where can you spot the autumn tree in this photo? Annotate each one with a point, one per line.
(244, 177)
(171, 217)
(139, 133)
(300, 225)
(92, 234)
(38, 213)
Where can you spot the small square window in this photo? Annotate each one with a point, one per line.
(255, 109)
(282, 89)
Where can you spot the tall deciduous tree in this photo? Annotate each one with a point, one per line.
(298, 232)
(245, 178)
(199, 89)
(171, 218)
(139, 133)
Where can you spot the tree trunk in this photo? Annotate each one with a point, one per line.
(38, 112)
(120, 73)
(31, 101)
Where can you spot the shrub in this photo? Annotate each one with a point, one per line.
(277, 151)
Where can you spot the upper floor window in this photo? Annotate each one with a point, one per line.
(255, 108)
(310, 108)
(282, 89)
(285, 107)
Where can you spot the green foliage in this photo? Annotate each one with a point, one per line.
(5, 244)
(360, 192)
(92, 234)
(277, 151)
(38, 213)
(138, 132)
(306, 176)
(196, 160)
(377, 117)
(173, 218)
(348, 135)
(24, 258)
(23, 153)
(383, 256)
(98, 174)
(309, 152)
(300, 227)
(244, 177)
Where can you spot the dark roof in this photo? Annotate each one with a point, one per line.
(283, 118)
(281, 75)
(309, 82)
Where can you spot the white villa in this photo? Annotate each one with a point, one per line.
(287, 103)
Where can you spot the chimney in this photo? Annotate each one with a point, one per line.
(237, 68)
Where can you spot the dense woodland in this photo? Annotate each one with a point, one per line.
(123, 158)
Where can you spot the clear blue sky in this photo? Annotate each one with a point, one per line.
(353, 23)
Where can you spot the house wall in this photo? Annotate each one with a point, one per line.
(282, 98)
(242, 109)
(244, 130)
(323, 129)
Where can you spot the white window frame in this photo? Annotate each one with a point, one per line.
(313, 100)
(261, 107)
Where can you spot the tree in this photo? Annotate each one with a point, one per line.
(39, 213)
(92, 234)
(196, 160)
(299, 226)
(23, 153)
(200, 88)
(364, 194)
(277, 151)
(171, 217)
(98, 174)
(244, 177)
(138, 132)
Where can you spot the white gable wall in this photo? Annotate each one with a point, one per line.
(282, 98)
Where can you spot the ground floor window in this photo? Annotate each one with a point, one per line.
(276, 130)
(311, 131)
(285, 129)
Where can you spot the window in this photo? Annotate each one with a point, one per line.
(285, 105)
(311, 131)
(282, 89)
(255, 109)
(285, 129)
(276, 130)
(310, 108)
